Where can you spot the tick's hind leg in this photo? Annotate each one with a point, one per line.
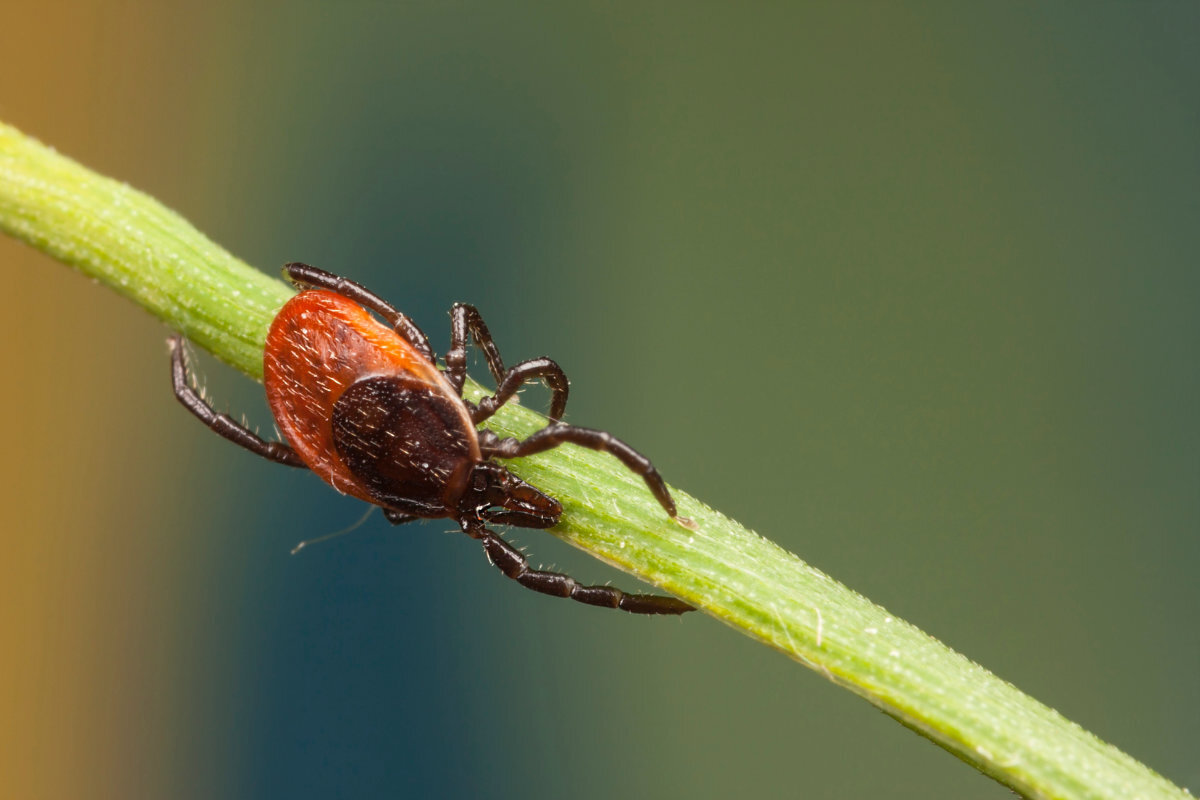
(306, 277)
(557, 433)
(509, 560)
(223, 424)
(466, 323)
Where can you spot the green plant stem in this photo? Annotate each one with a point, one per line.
(143, 250)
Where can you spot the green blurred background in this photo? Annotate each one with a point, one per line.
(910, 290)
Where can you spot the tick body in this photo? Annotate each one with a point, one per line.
(365, 407)
(364, 410)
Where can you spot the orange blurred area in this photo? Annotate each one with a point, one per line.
(90, 638)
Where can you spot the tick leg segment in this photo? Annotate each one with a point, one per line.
(305, 277)
(223, 424)
(518, 376)
(466, 322)
(557, 433)
(512, 563)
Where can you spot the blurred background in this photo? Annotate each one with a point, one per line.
(912, 291)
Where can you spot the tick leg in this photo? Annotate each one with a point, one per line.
(512, 563)
(557, 433)
(466, 322)
(516, 377)
(306, 277)
(223, 423)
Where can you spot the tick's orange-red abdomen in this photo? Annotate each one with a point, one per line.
(319, 345)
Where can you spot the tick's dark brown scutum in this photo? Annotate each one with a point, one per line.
(365, 408)
(405, 442)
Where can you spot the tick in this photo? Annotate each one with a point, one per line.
(365, 407)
